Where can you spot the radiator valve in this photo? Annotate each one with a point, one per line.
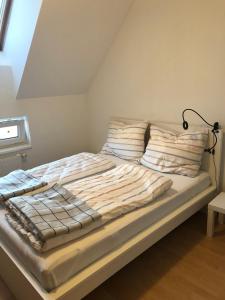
(23, 155)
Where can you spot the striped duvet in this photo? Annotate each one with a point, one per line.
(172, 152)
(72, 168)
(109, 195)
(125, 141)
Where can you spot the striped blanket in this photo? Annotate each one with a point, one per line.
(72, 168)
(18, 183)
(106, 196)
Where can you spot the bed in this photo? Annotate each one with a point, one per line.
(73, 271)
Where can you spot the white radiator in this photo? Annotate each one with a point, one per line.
(8, 164)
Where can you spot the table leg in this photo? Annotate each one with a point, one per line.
(221, 218)
(210, 222)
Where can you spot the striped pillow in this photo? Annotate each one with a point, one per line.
(172, 152)
(126, 141)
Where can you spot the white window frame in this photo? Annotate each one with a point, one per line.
(17, 144)
(4, 16)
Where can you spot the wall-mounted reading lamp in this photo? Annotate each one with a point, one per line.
(215, 129)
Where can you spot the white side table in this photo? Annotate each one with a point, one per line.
(217, 205)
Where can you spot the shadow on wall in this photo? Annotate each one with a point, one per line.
(6, 86)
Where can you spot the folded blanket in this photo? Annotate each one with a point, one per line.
(18, 183)
(72, 168)
(51, 213)
(105, 196)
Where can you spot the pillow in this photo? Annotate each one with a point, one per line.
(126, 141)
(173, 152)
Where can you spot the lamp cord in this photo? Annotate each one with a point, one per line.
(211, 149)
(215, 168)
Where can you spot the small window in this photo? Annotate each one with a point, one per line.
(4, 14)
(14, 135)
(8, 132)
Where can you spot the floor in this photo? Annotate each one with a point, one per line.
(185, 265)
(4, 292)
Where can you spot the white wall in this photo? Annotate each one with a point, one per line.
(68, 44)
(70, 40)
(169, 55)
(58, 124)
(22, 22)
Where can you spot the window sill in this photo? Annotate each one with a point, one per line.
(14, 149)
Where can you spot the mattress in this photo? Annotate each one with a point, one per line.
(55, 267)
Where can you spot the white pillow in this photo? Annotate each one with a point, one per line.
(173, 152)
(126, 141)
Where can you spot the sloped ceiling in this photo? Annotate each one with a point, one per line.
(70, 41)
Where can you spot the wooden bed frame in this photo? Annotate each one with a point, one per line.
(24, 286)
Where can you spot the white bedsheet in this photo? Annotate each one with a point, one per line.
(57, 266)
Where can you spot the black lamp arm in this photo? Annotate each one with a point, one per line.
(215, 129)
(215, 126)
